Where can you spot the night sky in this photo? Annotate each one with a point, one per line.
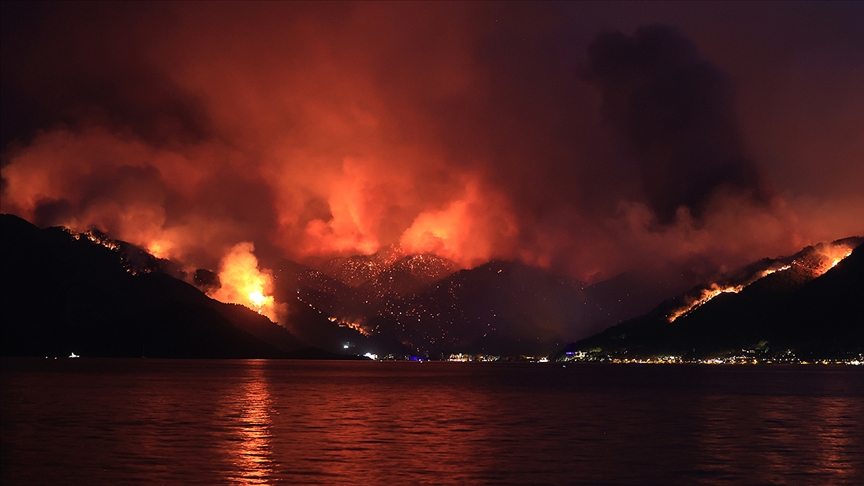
(586, 138)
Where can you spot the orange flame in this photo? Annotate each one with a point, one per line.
(243, 283)
(715, 290)
(161, 249)
(835, 254)
(707, 294)
(825, 256)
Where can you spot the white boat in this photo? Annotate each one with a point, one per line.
(73, 355)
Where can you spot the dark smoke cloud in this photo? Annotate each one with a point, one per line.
(677, 111)
(64, 63)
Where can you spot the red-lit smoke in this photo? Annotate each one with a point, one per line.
(320, 130)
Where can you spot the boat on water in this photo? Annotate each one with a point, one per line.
(73, 355)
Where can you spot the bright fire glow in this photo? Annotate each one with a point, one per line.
(355, 326)
(707, 294)
(715, 290)
(160, 249)
(243, 283)
(824, 258)
(835, 254)
(99, 240)
(830, 255)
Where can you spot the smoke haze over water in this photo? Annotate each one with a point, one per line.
(585, 138)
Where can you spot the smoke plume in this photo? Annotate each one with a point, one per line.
(677, 111)
(473, 131)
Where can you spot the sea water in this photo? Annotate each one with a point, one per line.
(145, 421)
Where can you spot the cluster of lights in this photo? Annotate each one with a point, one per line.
(464, 358)
(744, 358)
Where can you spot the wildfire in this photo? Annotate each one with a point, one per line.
(344, 323)
(243, 283)
(98, 238)
(707, 294)
(835, 254)
(355, 326)
(160, 249)
(838, 260)
(824, 257)
(714, 290)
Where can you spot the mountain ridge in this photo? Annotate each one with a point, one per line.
(62, 294)
(812, 305)
(61, 289)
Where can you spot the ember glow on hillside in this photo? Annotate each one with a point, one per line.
(812, 263)
(836, 254)
(567, 136)
(95, 237)
(715, 289)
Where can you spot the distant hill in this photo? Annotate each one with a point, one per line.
(355, 270)
(405, 276)
(314, 298)
(417, 300)
(501, 307)
(811, 303)
(62, 293)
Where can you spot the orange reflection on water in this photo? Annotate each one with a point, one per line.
(826, 423)
(379, 424)
(407, 433)
(782, 422)
(252, 455)
(771, 439)
(837, 426)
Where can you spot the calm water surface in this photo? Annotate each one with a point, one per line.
(293, 422)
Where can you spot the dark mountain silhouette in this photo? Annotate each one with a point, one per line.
(338, 335)
(314, 298)
(801, 303)
(518, 305)
(498, 308)
(630, 294)
(296, 281)
(64, 293)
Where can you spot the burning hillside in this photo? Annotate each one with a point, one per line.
(808, 264)
(807, 304)
(100, 297)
